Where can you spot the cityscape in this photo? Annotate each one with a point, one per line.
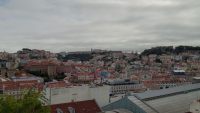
(162, 79)
(99, 56)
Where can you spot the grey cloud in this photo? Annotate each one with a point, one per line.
(66, 25)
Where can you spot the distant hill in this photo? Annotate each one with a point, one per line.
(76, 56)
(169, 50)
(158, 50)
(181, 49)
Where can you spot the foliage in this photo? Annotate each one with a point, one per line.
(76, 57)
(181, 49)
(169, 50)
(39, 74)
(30, 103)
(118, 68)
(158, 61)
(60, 76)
(158, 50)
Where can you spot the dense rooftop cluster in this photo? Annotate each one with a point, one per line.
(67, 77)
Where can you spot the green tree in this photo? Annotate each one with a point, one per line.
(30, 103)
(118, 68)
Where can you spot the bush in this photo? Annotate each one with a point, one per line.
(30, 103)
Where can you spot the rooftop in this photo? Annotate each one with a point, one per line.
(172, 100)
(152, 94)
(57, 84)
(197, 78)
(121, 82)
(118, 111)
(89, 106)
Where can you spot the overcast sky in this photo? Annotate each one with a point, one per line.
(71, 25)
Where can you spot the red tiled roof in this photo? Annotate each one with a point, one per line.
(57, 84)
(89, 106)
(82, 65)
(11, 85)
(42, 63)
(84, 74)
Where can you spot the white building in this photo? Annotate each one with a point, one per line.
(76, 93)
(123, 86)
